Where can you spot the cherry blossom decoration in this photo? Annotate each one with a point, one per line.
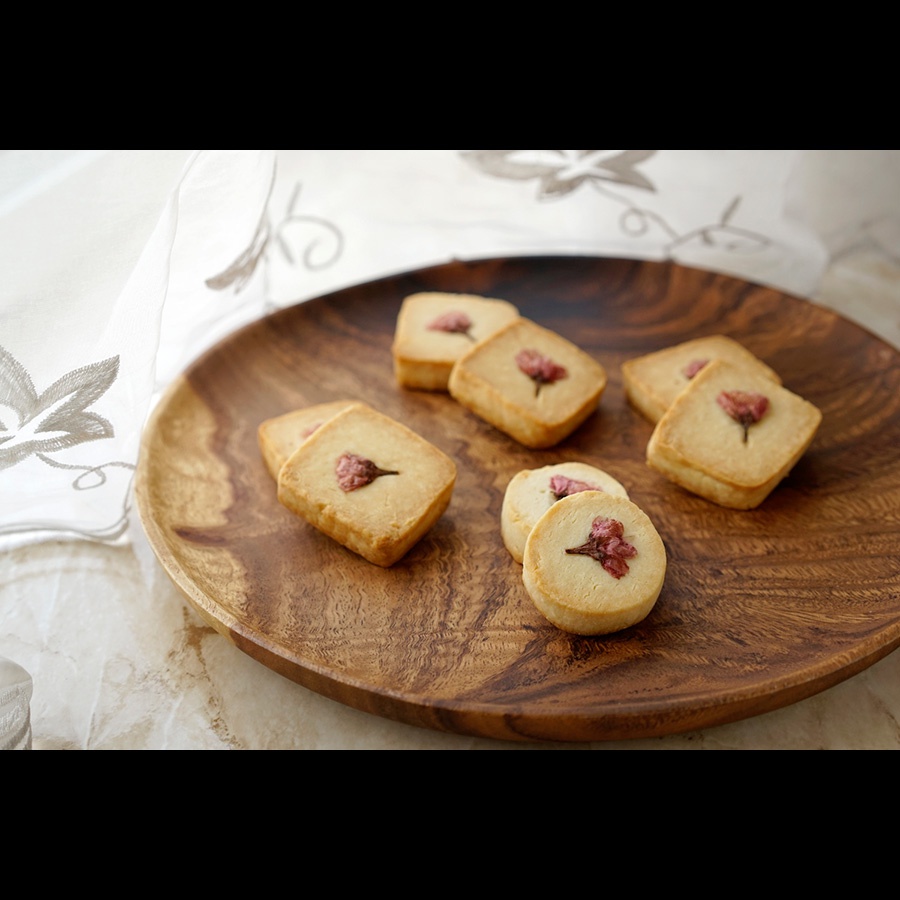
(540, 369)
(561, 486)
(693, 369)
(33, 424)
(453, 322)
(354, 472)
(745, 407)
(606, 543)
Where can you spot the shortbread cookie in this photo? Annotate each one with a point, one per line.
(280, 436)
(732, 435)
(533, 491)
(368, 482)
(530, 383)
(652, 382)
(594, 564)
(434, 329)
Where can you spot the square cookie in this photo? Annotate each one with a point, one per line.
(530, 383)
(652, 382)
(732, 435)
(280, 436)
(435, 329)
(368, 482)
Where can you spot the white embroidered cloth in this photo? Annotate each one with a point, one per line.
(121, 266)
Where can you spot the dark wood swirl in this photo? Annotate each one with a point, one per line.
(760, 609)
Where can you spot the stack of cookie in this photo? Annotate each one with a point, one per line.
(726, 428)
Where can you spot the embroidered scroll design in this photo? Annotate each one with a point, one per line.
(563, 172)
(318, 249)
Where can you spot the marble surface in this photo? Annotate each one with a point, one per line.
(136, 669)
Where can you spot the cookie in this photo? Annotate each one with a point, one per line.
(368, 482)
(532, 492)
(652, 382)
(434, 329)
(732, 435)
(280, 436)
(530, 383)
(594, 564)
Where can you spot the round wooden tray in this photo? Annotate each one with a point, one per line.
(760, 609)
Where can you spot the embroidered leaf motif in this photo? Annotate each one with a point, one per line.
(562, 171)
(58, 418)
(608, 546)
(241, 270)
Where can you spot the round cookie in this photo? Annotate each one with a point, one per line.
(530, 494)
(594, 564)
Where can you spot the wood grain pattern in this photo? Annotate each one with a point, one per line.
(760, 608)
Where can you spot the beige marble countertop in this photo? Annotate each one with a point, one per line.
(136, 669)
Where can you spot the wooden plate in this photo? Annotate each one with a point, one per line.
(760, 609)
